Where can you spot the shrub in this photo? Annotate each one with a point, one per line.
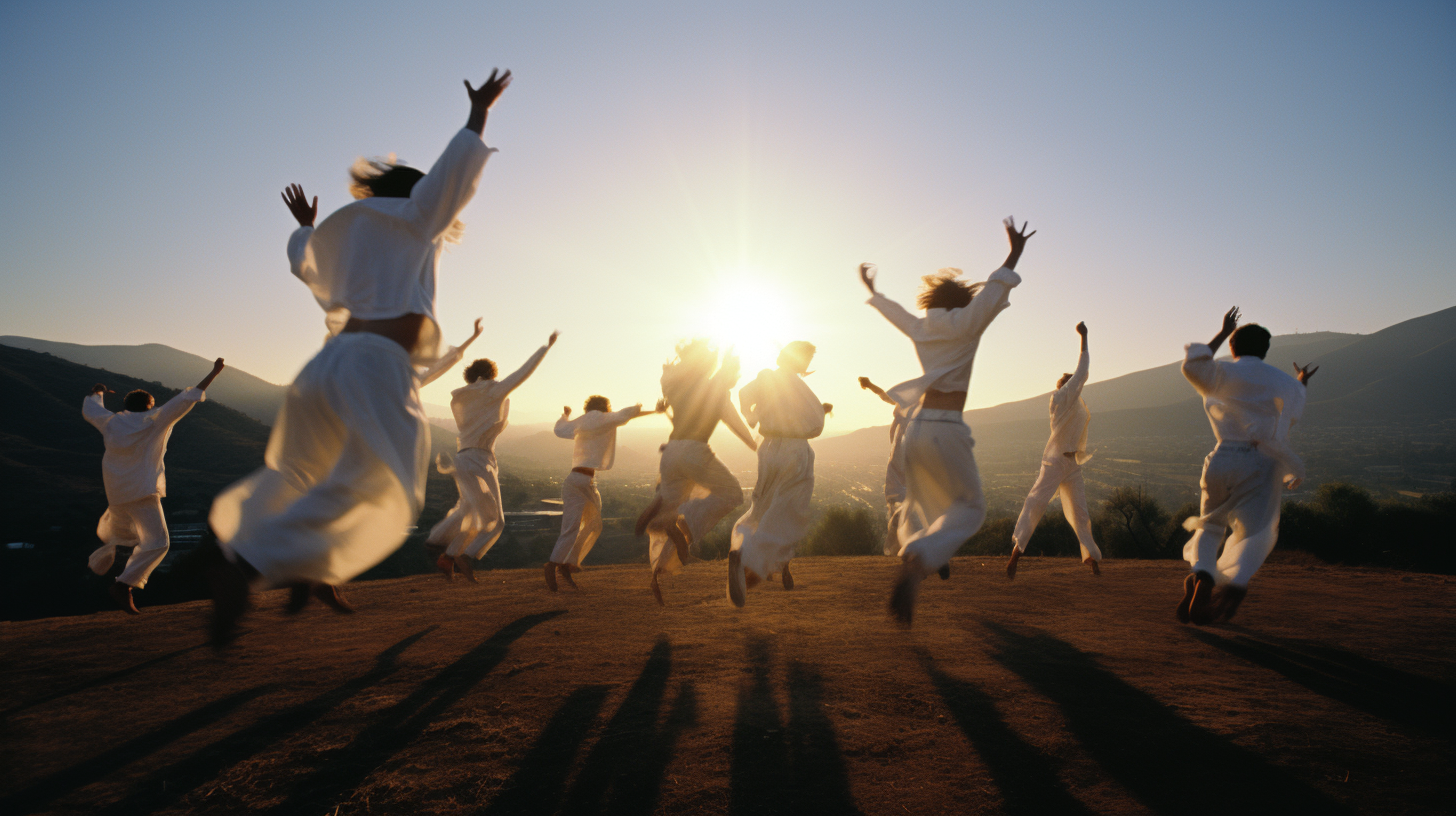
(1131, 524)
(846, 531)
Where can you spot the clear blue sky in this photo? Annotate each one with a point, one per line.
(658, 160)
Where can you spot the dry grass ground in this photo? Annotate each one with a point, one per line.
(1056, 693)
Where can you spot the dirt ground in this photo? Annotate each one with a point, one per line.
(1056, 693)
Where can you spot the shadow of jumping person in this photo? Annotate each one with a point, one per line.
(623, 772)
(1409, 699)
(1025, 775)
(166, 786)
(796, 769)
(1166, 762)
(98, 681)
(539, 783)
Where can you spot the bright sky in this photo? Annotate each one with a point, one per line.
(667, 172)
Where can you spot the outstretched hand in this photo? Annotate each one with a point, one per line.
(565, 411)
(98, 388)
(1303, 373)
(1082, 329)
(867, 273)
(551, 341)
(217, 365)
(1017, 239)
(489, 91)
(1230, 321)
(297, 202)
(661, 407)
(864, 382)
(479, 321)
(828, 407)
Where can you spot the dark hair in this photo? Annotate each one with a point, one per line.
(138, 401)
(800, 353)
(1062, 380)
(381, 178)
(946, 290)
(597, 402)
(481, 369)
(1250, 340)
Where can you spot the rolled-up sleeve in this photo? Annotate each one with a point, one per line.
(448, 187)
(1199, 367)
(93, 410)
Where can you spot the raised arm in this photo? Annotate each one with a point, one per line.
(217, 368)
(1230, 322)
(864, 382)
(449, 359)
(1079, 377)
(519, 376)
(93, 408)
(448, 187)
(1017, 239)
(483, 98)
(565, 425)
(305, 214)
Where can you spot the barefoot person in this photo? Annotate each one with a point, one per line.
(943, 503)
(1061, 468)
(894, 471)
(1252, 406)
(788, 415)
(695, 490)
(346, 462)
(135, 480)
(482, 409)
(594, 435)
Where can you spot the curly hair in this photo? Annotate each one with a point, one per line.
(481, 369)
(597, 402)
(138, 401)
(946, 290)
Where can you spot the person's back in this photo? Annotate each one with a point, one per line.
(481, 412)
(783, 405)
(1246, 397)
(136, 443)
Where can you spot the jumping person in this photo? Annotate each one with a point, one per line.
(695, 491)
(894, 470)
(1252, 406)
(345, 466)
(482, 410)
(1061, 468)
(594, 448)
(135, 480)
(788, 415)
(944, 505)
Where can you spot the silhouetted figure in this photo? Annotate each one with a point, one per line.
(135, 480)
(788, 415)
(1252, 406)
(1061, 468)
(695, 491)
(894, 470)
(943, 505)
(594, 448)
(346, 462)
(482, 410)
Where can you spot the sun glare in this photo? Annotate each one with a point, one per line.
(755, 317)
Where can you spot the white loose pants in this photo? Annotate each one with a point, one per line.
(778, 515)
(478, 518)
(694, 486)
(1061, 475)
(894, 496)
(345, 474)
(944, 505)
(139, 525)
(581, 519)
(1241, 490)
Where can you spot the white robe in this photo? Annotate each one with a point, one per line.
(1252, 407)
(344, 475)
(135, 480)
(694, 486)
(944, 505)
(895, 483)
(1061, 467)
(788, 414)
(594, 445)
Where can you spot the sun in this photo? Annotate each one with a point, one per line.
(755, 317)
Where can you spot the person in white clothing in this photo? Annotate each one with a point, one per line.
(1252, 407)
(482, 410)
(1061, 468)
(135, 480)
(695, 491)
(788, 415)
(894, 471)
(345, 466)
(944, 505)
(594, 448)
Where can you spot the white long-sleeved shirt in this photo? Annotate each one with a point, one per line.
(946, 339)
(482, 408)
(377, 257)
(1069, 417)
(781, 404)
(595, 435)
(131, 468)
(1248, 400)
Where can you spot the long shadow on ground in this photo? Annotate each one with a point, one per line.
(1166, 762)
(342, 771)
(1409, 699)
(99, 681)
(167, 785)
(538, 784)
(623, 772)
(776, 769)
(1026, 776)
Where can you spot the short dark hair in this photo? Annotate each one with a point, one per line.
(946, 290)
(1062, 380)
(382, 178)
(138, 401)
(597, 402)
(481, 369)
(1250, 340)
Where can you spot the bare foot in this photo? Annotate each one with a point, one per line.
(1096, 570)
(550, 574)
(657, 590)
(1011, 565)
(121, 593)
(563, 572)
(446, 565)
(787, 578)
(466, 567)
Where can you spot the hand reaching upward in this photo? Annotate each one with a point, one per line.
(482, 98)
(1303, 373)
(551, 341)
(1017, 239)
(297, 202)
(867, 273)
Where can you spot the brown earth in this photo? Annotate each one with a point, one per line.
(1059, 692)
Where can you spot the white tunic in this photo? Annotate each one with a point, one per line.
(595, 436)
(782, 405)
(1069, 418)
(377, 257)
(131, 468)
(1248, 400)
(482, 408)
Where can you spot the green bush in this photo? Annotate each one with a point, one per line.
(1131, 524)
(1342, 523)
(846, 531)
(994, 538)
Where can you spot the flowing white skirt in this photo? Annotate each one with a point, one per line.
(1241, 490)
(695, 487)
(345, 468)
(944, 505)
(778, 515)
(477, 520)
